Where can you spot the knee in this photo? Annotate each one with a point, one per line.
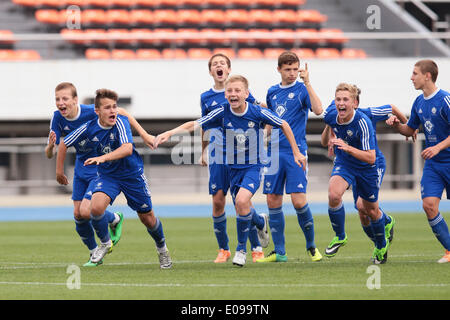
(97, 209)
(430, 208)
(241, 206)
(148, 219)
(218, 205)
(334, 198)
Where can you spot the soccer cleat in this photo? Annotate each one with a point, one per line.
(445, 258)
(334, 246)
(92, 264)
(101, 251)
(223, 256)
(379, 256)
(239, 258)
(257, 253)
(115, 231)
(165, 262)
(273, 257)
(389, 230)
(263, 234)
(314, 254)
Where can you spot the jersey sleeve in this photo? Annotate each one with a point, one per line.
(76, 135)
(124, 129)
(414, 120)
(367, 134)
(55, 126)
(380, 113)
(268, 117)
(213, 118)
(445, 110)
(203, 107)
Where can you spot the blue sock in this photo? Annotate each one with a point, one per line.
(220, 230)
(243, 224)
(378, 231)
(257, 220)
(86, 232)
(253, 237)
(110, 217)
(337, 218)
(276, 222)
(100, 225)
(306, 222)
(369, 232)
(386, 217)
(440, 230)
(157, 234)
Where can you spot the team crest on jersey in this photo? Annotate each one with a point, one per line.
(240, 138)
(349, 133)
(106, 149)
(433, 110)
(428, 126)
(291, 95)
(251, 124)
(280, 110)
(111, 136)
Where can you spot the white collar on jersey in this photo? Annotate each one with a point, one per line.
(289, 85)
(432, 95)
(348, 122)
(103, 127)
(77, 116)
(218, 90)
(240, 114)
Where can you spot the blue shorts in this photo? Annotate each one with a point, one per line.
(247, 178)
(381, 170)
(219, 178)
(288, 175)
(135, 189)
(435, 178)
(364, 181)
(81, 185)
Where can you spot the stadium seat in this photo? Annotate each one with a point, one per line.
(350, 53)
(6, 55)
(192, 3)
(147, 3)
(165, 17)
(102, 4)
(236, 17)
(173, 54)
(311, 16)
(79, 3)
(65, 33)
(260, 36)
(144, 33)
(96, 33)
(123, 54)
(124, 3)
(260, 17)
(285, 17)
(199, 53)
(336, 35)
(27, 3)
(119, 34)
(212, 17)
(250, 53)
(148, 54)
(188, 16)
(7, 37)
(168, 3)
(291, 3)
(118, 16)
(241, 3)
(216, 3)
(141, 17)
(328, 53)
(304, 53)
(163, 32)
(239, 36)
(307, 36)
(26, 55)
(48, 16)
(214, 37)
(56, 4)
(281, 34)
(229, 52)
(272, 53)
(93, 17)
(97, 54)
(188, 36)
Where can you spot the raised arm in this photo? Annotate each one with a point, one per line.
(316, 104)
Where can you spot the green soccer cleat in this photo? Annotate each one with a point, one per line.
(274, 257)
(92, 264)
(115, 232)
(314, 254)
(334, 246)
(379, 256)
(389, 230)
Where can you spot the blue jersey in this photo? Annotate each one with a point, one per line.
(292, 104)
(358, 133)
(104, 140)
(375, 114)
(433, 113)
(62, 127)
(243, 132)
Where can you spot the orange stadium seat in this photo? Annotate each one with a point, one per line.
(104, 4)
(237, 35)
(48, 16)
(241, 3)
(236, 17)
(304, 53)
(265, 3)
(307, 36)
(97, 54)
(336, 35)
(141, 17)
(214, 36)
(120, 33)
(124, 3)
(212, 16)
(350, 53)
(250, 53)
(27, 3)
(192, 3)
(148, 54)
(188, 16)
(6, 54)
(168, 3)
(65, 33)
(198, 53)
(165, 17)
(7, 37)
(123, 54)
(27, 55)
(260, 36)
(147, 3)
(190, 36)
(272, 53)
(291, 3)
(142, 33)
(93, 16)
(281, 34)
(118, 16)
(328, 53)
(260, 16)
(96, 33)
(283, 16)
(79, 3)
(173, 54)
(229, 52)
(161, 32)
(311, 16)
(57, 4)
(216, 3)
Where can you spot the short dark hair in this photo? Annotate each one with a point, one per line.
(287, 57)
(104, 93)
(219, 55)
(67, 85)
(428, 66)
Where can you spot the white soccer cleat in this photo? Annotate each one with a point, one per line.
(239, 258)
(263, 234)
(101, 251)
(165, 262)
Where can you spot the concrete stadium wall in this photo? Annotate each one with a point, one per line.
(171, 89)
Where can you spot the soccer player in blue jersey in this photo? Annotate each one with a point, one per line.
(291, 100)
(354, 165)
(243, 123)
(219, 66)
(69, 116)
(120, 169)
(432, 110)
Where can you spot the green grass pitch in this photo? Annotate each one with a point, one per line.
(35, 257)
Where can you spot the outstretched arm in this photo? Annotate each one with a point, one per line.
(185, 127)
(403, 129)
(148, 139)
